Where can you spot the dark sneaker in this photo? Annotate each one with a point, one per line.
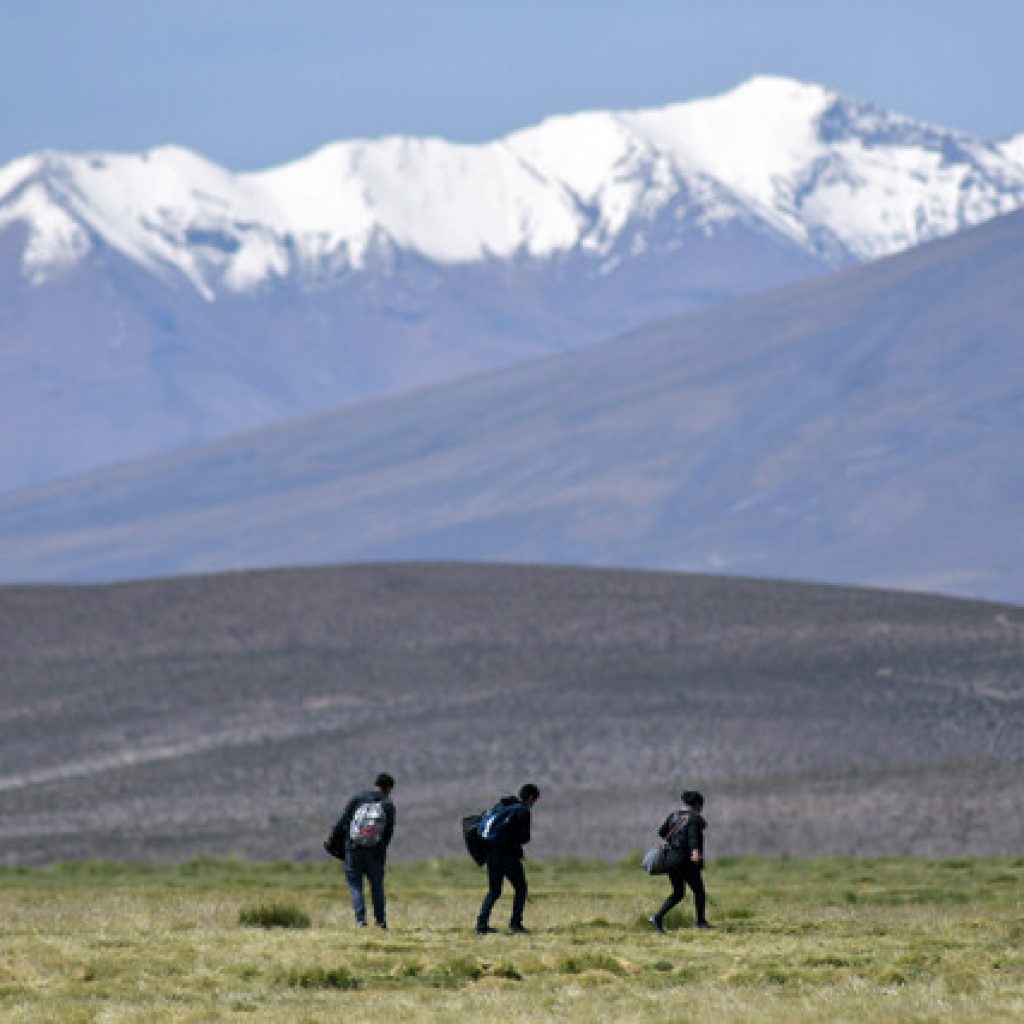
(703, 924)
(656, 921)
(518, 929)
(485, 929)
(382, 924)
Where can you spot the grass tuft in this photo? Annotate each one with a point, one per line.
(408, 969)
(274, 915)
(322, 977)
(580, 963)
(455, 973)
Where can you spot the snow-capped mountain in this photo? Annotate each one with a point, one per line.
(837, 177)
(1014, 148)
(155, 300)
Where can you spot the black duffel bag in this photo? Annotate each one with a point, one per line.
(475, 843)
(666, 856)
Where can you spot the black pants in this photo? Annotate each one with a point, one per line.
(688, 875)
(499, 867)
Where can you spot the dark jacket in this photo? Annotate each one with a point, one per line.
(517, 833)
(690, 834)
(341, 826)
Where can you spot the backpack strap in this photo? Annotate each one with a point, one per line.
(684, 817)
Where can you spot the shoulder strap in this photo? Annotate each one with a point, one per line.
(684, 817)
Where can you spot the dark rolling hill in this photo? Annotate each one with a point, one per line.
(231, 714)
(864, 428)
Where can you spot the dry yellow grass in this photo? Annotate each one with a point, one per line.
(798, 941)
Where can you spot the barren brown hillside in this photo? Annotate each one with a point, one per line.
(231, 714)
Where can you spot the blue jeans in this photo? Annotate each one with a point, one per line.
(499, 867)
(360, 863)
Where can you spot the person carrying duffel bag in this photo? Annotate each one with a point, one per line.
(681, 857)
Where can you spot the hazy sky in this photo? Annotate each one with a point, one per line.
(253, 83)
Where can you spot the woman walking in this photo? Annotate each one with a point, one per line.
(683, 830)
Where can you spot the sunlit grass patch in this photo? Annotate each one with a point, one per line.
(586, 931)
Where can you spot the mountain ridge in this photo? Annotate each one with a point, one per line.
(861, 428)
(152, 302)
(759, 151)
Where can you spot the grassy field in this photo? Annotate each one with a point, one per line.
(823, 941)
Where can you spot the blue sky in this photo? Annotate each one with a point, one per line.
(254, 83)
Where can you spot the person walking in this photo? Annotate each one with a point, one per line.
(506, 830)
(364, 831)
(683, 830)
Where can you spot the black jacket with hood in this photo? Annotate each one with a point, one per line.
(689, 836)
(517, 832)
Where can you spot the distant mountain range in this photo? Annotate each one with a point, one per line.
(149, 302)
(863, 427)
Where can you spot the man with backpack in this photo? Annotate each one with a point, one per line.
(505, 829)
(361, 836)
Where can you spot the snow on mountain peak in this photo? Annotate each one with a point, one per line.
(160, 208)
(54, 239)
(452, 203)
(838, 177)
(1014, 148)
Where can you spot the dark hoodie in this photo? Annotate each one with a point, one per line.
(340, 834)
(689, 836)
(517, 833)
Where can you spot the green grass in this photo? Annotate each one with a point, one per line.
(274, 915)
(798, 941)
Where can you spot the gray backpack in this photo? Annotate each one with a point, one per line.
(368, 824)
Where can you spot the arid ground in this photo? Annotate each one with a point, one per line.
(233, 714)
